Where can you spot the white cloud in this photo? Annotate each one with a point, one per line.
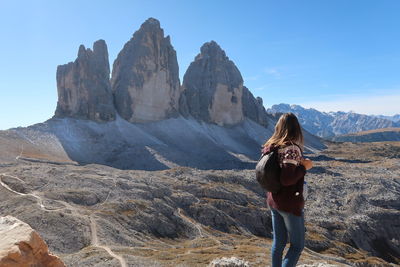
(372, 104)
(275, 72)
(251, 78)
(263, 87)
(260, 88)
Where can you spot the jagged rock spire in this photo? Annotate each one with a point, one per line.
(145, 76)
(83, 86)
(145, 83)
(213, 87)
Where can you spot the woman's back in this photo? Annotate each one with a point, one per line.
(290, 197)
(287, 205)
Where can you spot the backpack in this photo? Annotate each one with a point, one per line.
(268, 172)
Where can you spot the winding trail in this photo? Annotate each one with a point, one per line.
(95, 242)
(93, 224)
(20, 154)
(191, 221)
(199, 227)
(93, 230)
(39, 199)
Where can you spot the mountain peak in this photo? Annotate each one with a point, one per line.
(99, 47)
(213, 87)
(145, 76)
(81, 51)
(152, 21)
(212, 49)
(150, 25)
(83, 86)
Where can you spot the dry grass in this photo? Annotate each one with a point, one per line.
(381, 130)
(255, 250)
(373, 151)
(201, 251)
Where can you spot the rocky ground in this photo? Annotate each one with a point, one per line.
(95, 215)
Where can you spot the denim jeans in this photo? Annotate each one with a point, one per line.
(284, 223)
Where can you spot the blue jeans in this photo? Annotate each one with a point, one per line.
(284, 223)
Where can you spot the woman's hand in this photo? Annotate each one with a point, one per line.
(307, 163)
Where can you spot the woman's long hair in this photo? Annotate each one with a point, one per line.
(287, 131)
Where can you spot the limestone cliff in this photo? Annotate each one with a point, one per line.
(213, 87)
(84, 89)
(145, 76)
(145, 84)
(253, 108)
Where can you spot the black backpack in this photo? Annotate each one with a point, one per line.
(268, 171)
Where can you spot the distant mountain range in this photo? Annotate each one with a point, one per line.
(395, 118)
(330, 124)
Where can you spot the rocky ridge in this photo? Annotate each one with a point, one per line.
(395, 118)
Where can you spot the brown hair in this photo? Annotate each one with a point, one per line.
(287, 131)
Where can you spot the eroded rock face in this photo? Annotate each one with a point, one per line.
(145, 84)
(145, 76)
(213, 87)
(253, 108)
(83, 86)
(20, 245)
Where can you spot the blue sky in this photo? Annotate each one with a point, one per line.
(330, 55)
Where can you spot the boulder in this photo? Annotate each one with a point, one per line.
(229, 262)
(21, 246)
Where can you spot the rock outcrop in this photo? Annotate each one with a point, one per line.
(213, 87)
(253, 108)
(20, 245)
(84, 89)
(213, 90)
(229, 262)
(145, 76)
(145, 85)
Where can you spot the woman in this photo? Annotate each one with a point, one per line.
(287, 205)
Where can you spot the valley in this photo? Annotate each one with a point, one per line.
(188, 217)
